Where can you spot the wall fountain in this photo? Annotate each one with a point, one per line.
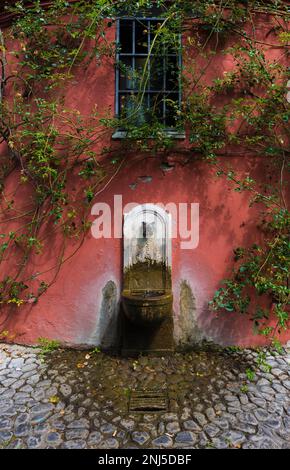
(146, 303)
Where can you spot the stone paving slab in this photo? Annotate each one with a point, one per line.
(79, 399)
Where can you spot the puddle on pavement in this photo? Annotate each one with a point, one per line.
(106, 382)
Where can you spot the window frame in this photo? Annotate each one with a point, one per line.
(170, 131)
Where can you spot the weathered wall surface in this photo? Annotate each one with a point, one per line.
(81, 307)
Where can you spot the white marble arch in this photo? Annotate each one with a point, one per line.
(147, 235)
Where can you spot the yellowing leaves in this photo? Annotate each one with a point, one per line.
(54, 399)
(199, 374)
(284, 37)
(81, 365)
(18, 302)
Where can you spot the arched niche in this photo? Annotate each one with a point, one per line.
(147, 249)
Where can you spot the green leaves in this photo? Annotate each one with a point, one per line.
(263, 271)
(11, 290)
(89, 193)
(240, 109)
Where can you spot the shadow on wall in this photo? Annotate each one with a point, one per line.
(107, 328)
(186, 331)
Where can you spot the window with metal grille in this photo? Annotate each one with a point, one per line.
(148, 73)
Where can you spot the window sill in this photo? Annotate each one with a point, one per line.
(174, 134)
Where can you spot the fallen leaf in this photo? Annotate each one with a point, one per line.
(54, 399)
(198, 374)
(87, 356)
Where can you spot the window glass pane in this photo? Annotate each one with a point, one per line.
(131, 108)
(158, 45)
(156, 106)
(172, 45)
(126, 73)
(157, 85)
(156, 75)
(126, 105)
(141, 75)
(126, 36)
(141, 37)
(172, 73)
(171, 108)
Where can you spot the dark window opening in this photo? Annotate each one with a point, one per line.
(148, 74)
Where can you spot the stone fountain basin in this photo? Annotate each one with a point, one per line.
(147, 307)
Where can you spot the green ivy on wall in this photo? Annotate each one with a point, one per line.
(54, 148)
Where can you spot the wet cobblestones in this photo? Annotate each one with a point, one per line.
(79, 399)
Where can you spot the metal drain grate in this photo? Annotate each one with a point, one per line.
(149, 401)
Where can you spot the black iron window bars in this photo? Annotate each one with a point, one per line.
(147, 77)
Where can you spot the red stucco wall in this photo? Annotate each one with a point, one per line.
(70, 309)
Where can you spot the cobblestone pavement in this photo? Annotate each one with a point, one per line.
(72, 399)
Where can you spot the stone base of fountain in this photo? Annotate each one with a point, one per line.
(151, 338)
(146, 305)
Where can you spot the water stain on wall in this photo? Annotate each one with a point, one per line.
(107, 329)
(186, 330)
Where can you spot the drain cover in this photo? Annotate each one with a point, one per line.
(148, 401)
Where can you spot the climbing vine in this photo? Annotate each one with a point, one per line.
(50, 149)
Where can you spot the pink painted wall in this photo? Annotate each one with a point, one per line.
(70, 309)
